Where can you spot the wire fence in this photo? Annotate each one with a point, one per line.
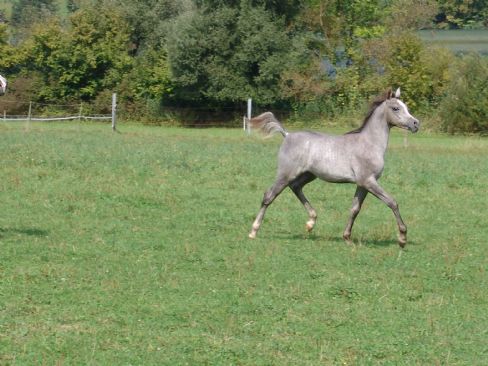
(43, 112)
(21, 118)
(184, 116)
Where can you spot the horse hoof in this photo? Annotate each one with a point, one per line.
(402, 240)
(347, 239)
(252, 236)
(310, 225)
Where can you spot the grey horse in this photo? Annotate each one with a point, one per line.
(356, 157)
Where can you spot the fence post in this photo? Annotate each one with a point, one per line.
(249, 110)
(80, 112)
(114, 107)
(29, 116)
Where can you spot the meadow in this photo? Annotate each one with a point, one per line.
(131, 248)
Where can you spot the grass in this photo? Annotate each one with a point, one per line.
(132, 249)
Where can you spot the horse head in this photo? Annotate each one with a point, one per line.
(397, 113)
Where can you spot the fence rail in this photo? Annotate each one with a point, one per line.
(80, 116)
(48, 119)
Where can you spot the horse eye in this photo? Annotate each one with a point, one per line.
(396, 109)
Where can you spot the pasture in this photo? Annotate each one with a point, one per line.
(132, 249)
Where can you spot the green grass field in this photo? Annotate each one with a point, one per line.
(132, 249)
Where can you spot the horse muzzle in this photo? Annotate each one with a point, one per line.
(414, 125)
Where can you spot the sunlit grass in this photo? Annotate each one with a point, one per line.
(132, 248)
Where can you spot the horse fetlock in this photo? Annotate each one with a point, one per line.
(402, 239)
(254, 230)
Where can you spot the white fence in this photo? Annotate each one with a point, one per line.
(78, 117)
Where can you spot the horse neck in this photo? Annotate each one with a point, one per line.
(377, 130)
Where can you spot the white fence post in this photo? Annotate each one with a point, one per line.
(249, 111)
(114, 107)
(29, 116)
(80, 112)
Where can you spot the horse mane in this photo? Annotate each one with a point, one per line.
(373, 105)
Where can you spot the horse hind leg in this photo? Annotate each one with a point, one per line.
(268, 198)
(296, 186)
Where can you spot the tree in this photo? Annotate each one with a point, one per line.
(83, 60)
(288, 9)
(27, 12)
(150, 20)
(242, 54)
(462, 14)
(465, 109)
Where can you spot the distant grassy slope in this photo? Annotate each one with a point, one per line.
(458, 40)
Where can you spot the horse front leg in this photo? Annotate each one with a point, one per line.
(357, 202)
(373, 187)
(268, 198)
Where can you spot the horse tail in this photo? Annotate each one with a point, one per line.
(267, 124)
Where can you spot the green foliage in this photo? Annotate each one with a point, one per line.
(151, 77)
(465, 108)
(462, 14)
(407, 69)
(287, 9)
(344, 23)
(83, 60)
(13, 58)
(324, 56)
(242, 55)
(150, 20)
(31, 11)
(410, 15)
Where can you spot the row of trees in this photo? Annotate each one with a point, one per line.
(319, 56)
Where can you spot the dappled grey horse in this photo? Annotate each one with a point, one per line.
(3, 85)
(356, 157)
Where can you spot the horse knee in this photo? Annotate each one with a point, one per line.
(268, 198)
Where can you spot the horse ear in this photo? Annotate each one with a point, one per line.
(397, 93)
(389, 93)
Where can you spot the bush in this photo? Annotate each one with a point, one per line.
(465, 108)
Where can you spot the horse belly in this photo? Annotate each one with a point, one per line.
(333, 167)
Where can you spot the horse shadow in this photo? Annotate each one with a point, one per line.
(40, 233)
(311, 237)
